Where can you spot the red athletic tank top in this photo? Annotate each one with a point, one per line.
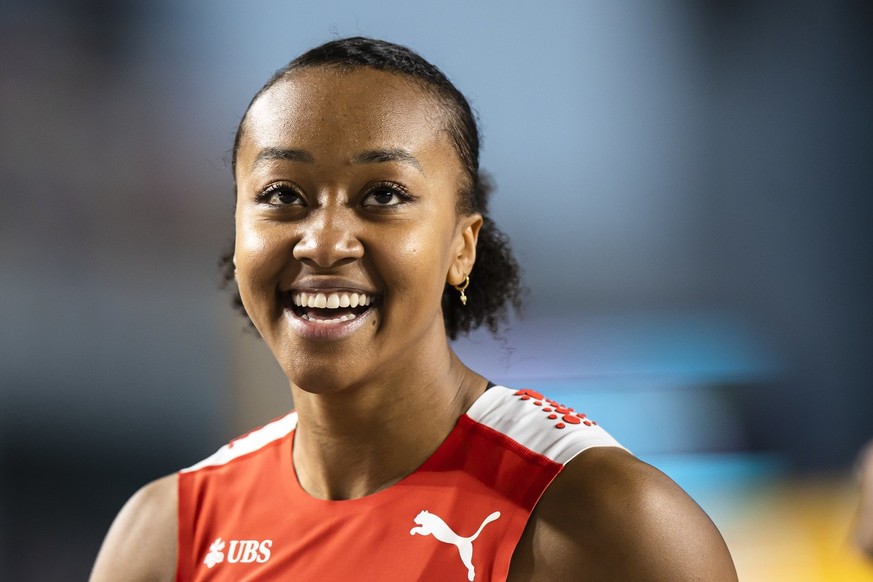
(243, 515)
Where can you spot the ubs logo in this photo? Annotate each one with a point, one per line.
(238, 552)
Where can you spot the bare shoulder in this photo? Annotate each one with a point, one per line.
(613, 517)
(141, 543)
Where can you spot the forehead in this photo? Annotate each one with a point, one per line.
(322, 108)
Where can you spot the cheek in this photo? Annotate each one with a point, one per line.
(250, 245)
(421, 260)
(256, 242)
(260, 257)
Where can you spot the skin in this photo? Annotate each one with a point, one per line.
(376, 398)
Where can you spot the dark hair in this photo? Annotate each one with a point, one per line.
(495, 282)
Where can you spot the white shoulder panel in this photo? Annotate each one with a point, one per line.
(249, 443)
(539, 424)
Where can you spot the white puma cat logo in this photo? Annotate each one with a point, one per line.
(430, 524)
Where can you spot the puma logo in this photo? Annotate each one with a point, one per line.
(430, 524)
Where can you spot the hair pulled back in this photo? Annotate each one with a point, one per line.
(495, 283)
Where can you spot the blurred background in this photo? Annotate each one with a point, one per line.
(687, 185)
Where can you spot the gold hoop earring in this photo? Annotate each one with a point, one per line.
(460, 289)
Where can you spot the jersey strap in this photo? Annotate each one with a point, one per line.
(538, 423)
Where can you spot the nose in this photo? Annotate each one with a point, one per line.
(328, 239)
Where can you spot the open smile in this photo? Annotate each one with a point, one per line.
(326, 308)
(328, 314)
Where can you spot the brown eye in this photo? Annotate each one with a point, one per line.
(385, 196)
(281, 195)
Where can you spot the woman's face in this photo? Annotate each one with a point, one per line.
(346, 224)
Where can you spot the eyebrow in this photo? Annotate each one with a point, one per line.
(387, 155)
(290, 155)
(378, 156)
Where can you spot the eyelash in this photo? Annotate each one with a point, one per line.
(393, 188)
(396, 189)
(273, 189)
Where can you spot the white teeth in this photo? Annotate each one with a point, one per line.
(330, 300)
(342, 318)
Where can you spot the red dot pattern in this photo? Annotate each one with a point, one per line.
(555, 411)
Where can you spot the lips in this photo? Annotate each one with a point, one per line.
(328, 307)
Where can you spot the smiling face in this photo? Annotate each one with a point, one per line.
(346, 225)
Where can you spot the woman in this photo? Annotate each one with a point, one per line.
(363, 244)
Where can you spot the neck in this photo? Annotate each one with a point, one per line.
(354, 442)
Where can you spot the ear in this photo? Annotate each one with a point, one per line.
(464, 248)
